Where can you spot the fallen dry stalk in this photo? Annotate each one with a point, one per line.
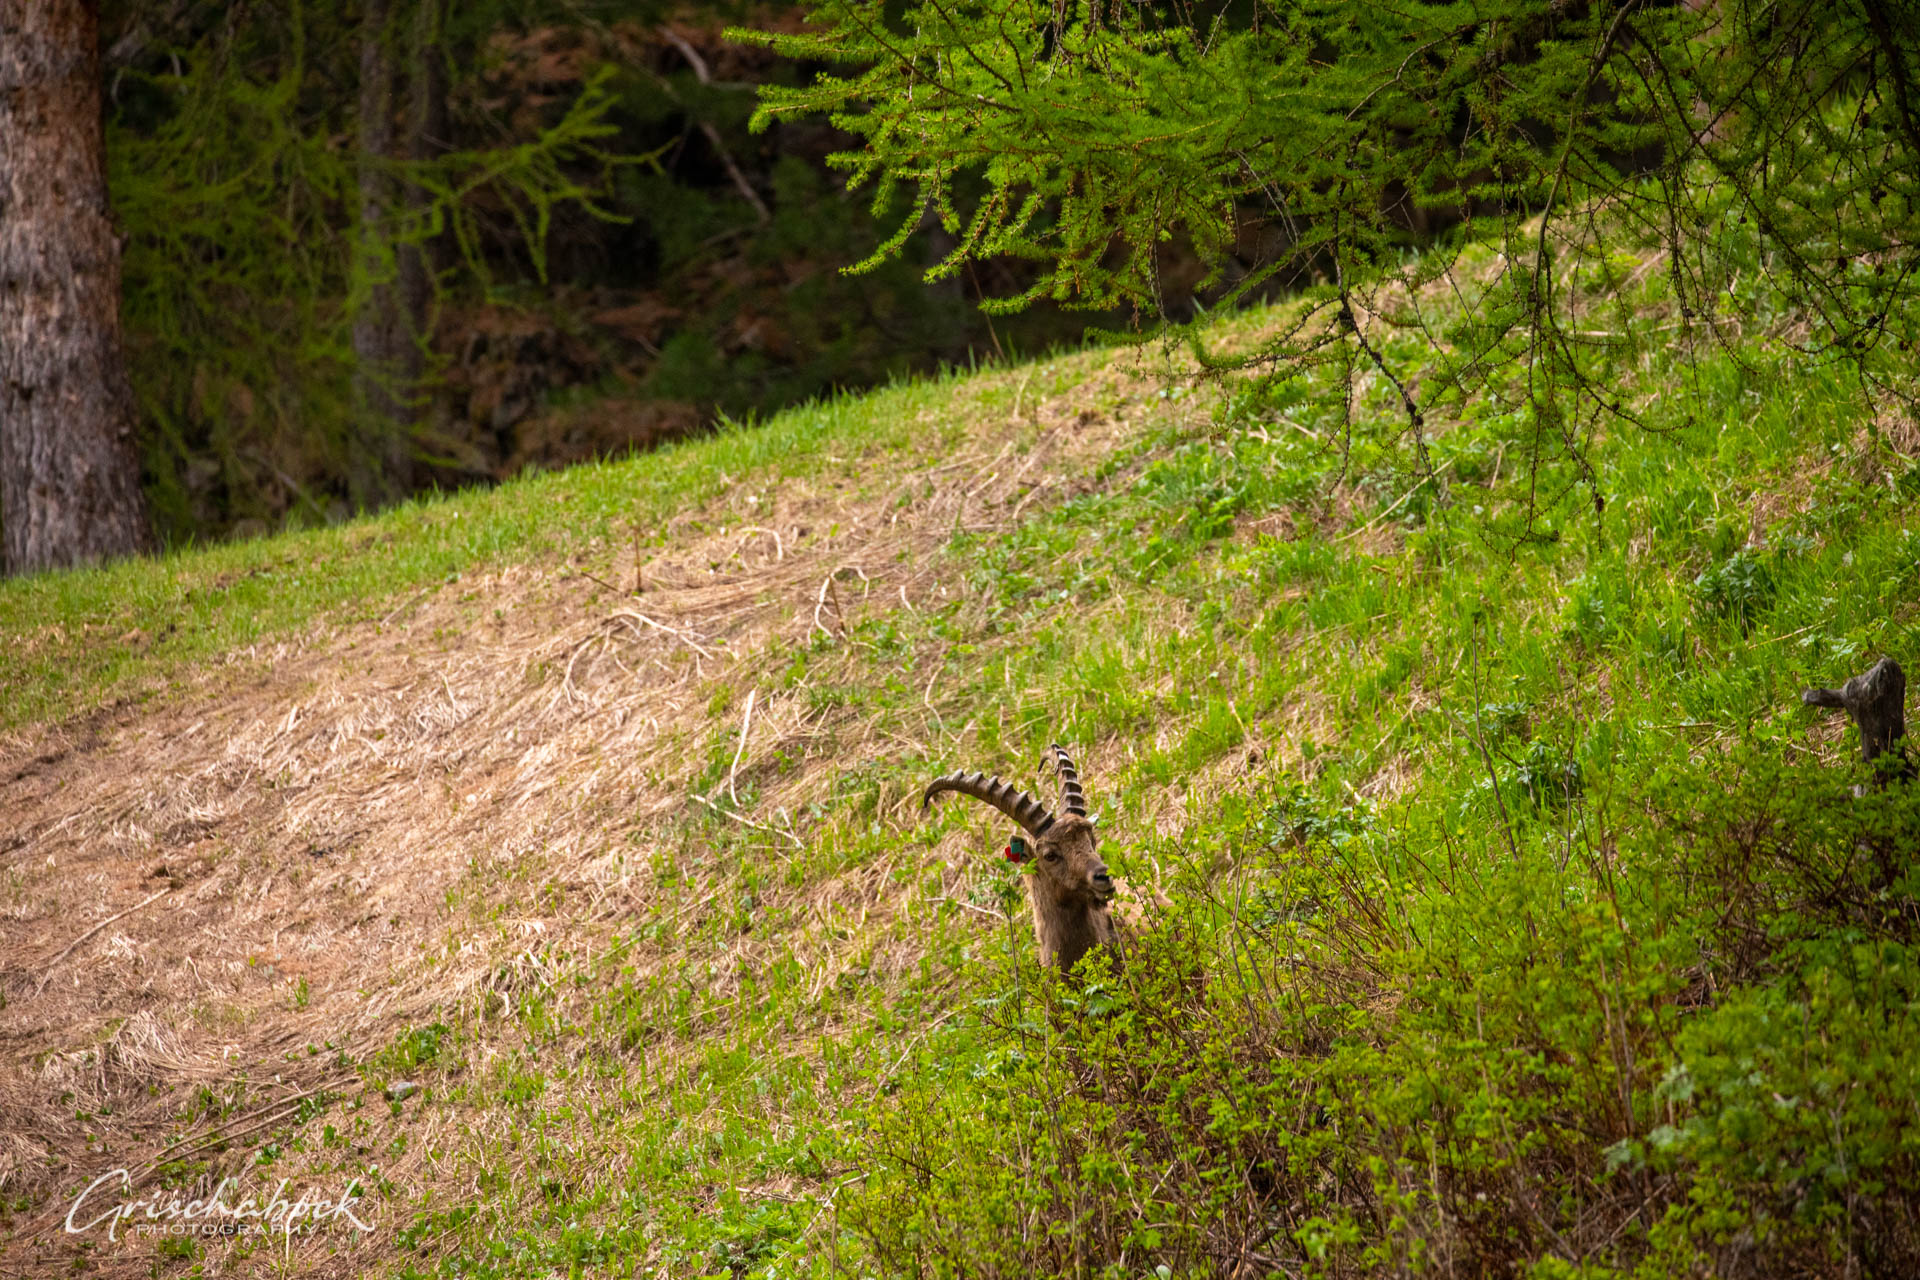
(749, 822)
(629, 616)
(779, 547)
(47, 974)
(821, 603)
(746, 722)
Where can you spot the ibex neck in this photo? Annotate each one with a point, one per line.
(1066, 935)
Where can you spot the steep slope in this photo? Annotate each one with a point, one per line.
(599, 932)
(225, 897)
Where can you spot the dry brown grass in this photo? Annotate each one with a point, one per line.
(431, 811)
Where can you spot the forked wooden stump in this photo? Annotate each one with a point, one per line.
(1877, 702)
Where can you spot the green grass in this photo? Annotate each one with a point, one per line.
(1517, 917)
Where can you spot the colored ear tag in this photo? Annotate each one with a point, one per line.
(1016, 850)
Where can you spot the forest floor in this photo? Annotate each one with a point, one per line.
(585, 928)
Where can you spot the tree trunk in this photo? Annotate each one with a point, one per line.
(1877, 701)
(420, 264)
(69, 466)
(385, 357)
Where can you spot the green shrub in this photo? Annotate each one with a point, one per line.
(1355, 1047)
(1739, 588)
(1791, 1121)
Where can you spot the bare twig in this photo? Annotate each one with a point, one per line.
(839, 615)
(705, 77)
(691, 54)
(594, 577)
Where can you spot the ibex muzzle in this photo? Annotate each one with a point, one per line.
(1070, 888)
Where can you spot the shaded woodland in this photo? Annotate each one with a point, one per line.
(377, 250)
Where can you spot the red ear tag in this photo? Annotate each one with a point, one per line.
(1016, 850)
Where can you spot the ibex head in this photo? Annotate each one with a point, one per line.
(1070, 885)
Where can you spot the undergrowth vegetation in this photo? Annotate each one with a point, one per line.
(1500, 909)
(1554, 947)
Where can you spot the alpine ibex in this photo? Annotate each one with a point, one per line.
(1069, 886)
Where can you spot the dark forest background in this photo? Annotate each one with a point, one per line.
(373, 250)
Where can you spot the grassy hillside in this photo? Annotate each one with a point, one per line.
(1498, 907)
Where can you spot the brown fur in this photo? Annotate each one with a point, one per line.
(1071, 891)
(1068, 882)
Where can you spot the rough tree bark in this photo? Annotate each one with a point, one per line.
(420, 264)
(386, 360)
(69, 465)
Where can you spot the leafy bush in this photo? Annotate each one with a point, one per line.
(1739, 588)
(1353, 1047)
(1546, 776)
(1591, 613)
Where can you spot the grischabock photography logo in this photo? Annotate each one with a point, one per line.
(228, 1209)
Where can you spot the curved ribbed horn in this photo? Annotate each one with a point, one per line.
(1018, 805)
(1071, 798)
